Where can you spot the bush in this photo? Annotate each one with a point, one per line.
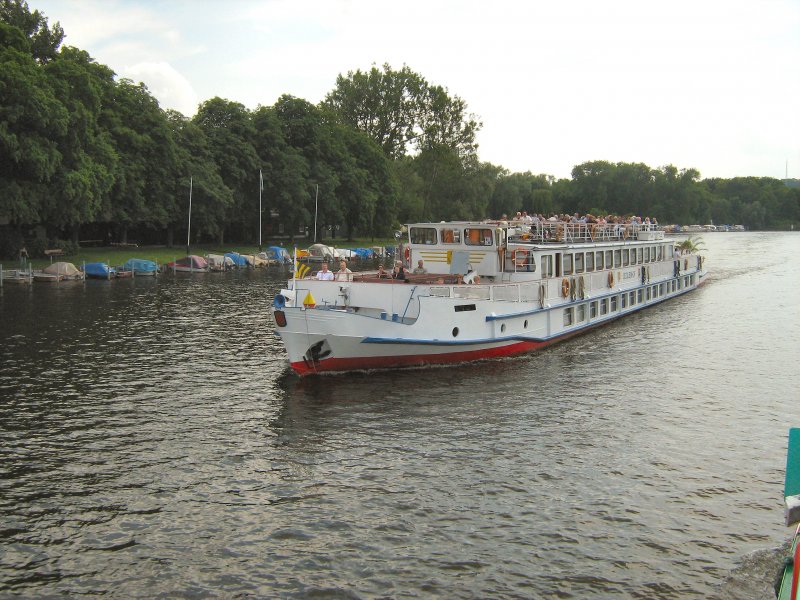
(10, 243)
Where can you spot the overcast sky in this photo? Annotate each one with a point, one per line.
(710, 85)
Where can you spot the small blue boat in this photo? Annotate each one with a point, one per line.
(279, 254)
(140, 266)
(99, 270)
(238, 259)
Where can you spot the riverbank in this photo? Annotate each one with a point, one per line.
(117, 255)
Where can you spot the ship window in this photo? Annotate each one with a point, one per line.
(599, 260)
(625, 262)
(647, 254)
(567, 264)
(609, 259)
(661, 253)
(603, 306)
(613, 303)
(569, 316)
(648, 293)
(451, 236)
(593, 310)
(423, 235)
(640, 255)
(547, 265)
(464, 307)
(632, 298)
(589, 261)
(478, 237)
(624, 301)
(617, 259)
(674, 287)
(640, 296)
(581, 312)
(579, 262)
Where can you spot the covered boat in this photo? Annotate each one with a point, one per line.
(140, 267)
(237, 259)
(219, 262)
(487, 289)
(188, 264)
(317, 253)
(58, 271)
(278, 254)
(99, 270)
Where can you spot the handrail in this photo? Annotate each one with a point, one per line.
(561, 232)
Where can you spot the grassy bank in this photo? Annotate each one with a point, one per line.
(116, 255)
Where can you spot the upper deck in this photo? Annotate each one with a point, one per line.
(501, 233)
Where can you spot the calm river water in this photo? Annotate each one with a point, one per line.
(154, 443)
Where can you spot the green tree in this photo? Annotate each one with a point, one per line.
(402, 112)
(231, 136)
(31, 121)
(44, 40)
(145, 173)
(80, 186)
(210, 196)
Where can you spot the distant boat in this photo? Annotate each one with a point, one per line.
(58, 271)
(140, 267)
(188, 264)
(218, 263)
(238, 259)
(279, 254)
(99, 270)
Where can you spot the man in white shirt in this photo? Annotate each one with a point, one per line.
(344, 274)
(323, 274)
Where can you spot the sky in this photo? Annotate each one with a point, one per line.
(710, 85)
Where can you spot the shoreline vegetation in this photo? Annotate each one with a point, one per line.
(117, 255)
(87, 155)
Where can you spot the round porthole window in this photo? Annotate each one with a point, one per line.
(455, 331)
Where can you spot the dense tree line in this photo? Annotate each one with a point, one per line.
(85, 155)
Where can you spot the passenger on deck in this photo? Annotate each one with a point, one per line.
(344, 274)
(420, 269)
(383, 273)
(399, 273)
(323, 274)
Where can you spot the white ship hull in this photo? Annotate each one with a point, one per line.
(329, 326)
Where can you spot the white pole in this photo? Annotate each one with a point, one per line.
(316, 206)
(260, 189)
(189, 229)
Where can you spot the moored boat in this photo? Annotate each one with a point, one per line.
(58, 271)
(139, 267)
(188, 264)
(219, 262)
(490, 289)
(99, 270)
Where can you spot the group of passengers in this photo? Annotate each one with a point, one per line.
(523, 217)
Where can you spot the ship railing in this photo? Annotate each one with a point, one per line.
(511, 292)
(567, 233)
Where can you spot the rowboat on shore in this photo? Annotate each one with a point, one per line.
(489, 289)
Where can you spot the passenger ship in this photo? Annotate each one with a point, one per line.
(538, 284)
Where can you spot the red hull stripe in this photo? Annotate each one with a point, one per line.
(363, 363)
